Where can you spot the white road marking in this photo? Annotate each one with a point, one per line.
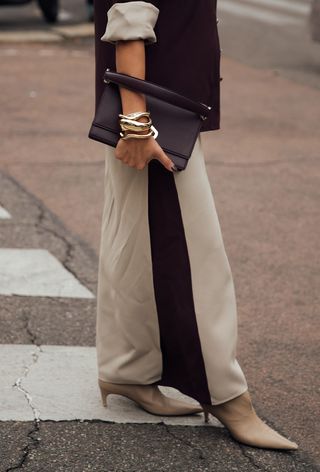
(46, 52)
(287, 5)
(256, 13)
(4, 214)
(60, 383)
(13, 366)
(36, 272)
(10, 52)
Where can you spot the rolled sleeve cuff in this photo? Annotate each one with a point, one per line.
(130, 21)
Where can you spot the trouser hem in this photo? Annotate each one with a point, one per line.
(155, 382)
(235, 395)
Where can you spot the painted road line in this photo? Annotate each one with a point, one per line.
(28, 36)
(81, 30)
(13, 402)
(60, 383)
(247, 11)
(4, 214)
(287, 5)
(36, 272)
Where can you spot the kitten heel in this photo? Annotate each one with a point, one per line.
(206, 414)
(104, 392)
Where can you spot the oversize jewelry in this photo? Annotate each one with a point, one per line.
(131, 128)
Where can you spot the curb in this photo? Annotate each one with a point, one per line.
(50, 34)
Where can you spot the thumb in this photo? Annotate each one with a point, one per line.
(165, 161)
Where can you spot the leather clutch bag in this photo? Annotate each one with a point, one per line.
(177, 118)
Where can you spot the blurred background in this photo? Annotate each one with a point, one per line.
(263, 166)
(28, 13)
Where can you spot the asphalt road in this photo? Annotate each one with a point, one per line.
(29, 16)
(273, 35)
(263, 166)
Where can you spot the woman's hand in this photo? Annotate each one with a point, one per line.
(130, 59)
(138, 152)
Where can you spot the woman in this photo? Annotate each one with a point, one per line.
(166, 304)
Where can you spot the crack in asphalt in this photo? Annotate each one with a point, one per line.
(32, 336)
(69, 250)
(45, 213)
(69, 247)
(39, 222)
(33, 441)
(18, 383)
(251, 459)
(33, 444)
(187, 443)
(32, 435)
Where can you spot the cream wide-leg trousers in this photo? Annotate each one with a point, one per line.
(166, 310)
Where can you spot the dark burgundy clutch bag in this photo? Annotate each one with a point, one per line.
(177, 118)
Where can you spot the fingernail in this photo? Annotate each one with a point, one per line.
(173, 168)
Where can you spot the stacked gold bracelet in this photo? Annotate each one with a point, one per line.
(131, 127)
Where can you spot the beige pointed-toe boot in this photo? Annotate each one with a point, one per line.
(148, 397)
(244, 425)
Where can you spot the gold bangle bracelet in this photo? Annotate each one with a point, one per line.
(136, 136)
(139, 124)
(133, 126)
(152, 133)
(135, 115)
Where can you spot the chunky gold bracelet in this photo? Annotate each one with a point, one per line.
(138, 123)
(133, 125)
(131, 128)
(153, 132)
(132, 120)
(135, 115)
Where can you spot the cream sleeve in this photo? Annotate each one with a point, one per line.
(131, 20)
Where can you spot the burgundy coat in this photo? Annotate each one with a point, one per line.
(185, 57)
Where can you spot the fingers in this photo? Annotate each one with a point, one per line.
(132, 162)
(129, 158)
(164, 159)
(135, 159)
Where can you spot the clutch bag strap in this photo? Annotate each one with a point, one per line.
(157, 91)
